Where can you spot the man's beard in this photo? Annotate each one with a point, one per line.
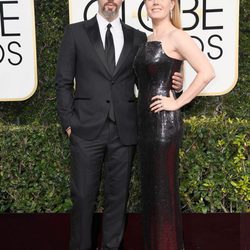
(110, 13)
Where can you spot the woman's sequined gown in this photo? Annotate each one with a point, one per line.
(159, 140)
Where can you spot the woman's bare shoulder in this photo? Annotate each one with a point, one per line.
(179, 35)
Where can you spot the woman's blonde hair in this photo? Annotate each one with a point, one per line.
(176, 16)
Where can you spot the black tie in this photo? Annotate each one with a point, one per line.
(110, 49)
(110, 54)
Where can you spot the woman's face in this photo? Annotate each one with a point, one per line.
(159, 9)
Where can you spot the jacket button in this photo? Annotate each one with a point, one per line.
(107, 101)
(112, 82)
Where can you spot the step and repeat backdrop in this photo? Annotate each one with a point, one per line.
(18, 67)
(213, 24)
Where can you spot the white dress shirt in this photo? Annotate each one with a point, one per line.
(116, 31)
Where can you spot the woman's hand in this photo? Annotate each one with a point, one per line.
(164, 103)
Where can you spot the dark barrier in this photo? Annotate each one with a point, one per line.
(51, 232)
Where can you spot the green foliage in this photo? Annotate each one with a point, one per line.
(214, 168)
(34, 172)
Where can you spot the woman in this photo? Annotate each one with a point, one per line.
(160, 124)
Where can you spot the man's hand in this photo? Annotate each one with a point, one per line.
(177, 80)
(68, 131)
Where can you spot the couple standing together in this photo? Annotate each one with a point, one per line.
(101, 117)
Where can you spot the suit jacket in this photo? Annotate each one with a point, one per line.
(85, 106)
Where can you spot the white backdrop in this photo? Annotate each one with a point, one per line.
(214, 25)
(18, 67)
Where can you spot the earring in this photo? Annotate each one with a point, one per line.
(147, 18)
(171, 14)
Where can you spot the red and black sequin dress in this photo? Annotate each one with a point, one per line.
(159, 140)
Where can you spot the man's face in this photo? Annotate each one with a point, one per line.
(109, 8)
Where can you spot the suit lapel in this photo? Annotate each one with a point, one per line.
(95, 39)
(93, 33)
(128, 38)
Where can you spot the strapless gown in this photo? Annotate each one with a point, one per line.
(159, 140)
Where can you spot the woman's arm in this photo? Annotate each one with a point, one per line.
(188, 50)
(198, 61)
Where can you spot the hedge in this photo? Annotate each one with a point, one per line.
(214, 168)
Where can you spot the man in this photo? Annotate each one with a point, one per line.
(99, 116)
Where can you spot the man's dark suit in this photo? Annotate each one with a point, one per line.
(86, 110)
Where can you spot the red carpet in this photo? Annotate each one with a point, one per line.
(51, 232)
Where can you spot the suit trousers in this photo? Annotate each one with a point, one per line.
(87, 159)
